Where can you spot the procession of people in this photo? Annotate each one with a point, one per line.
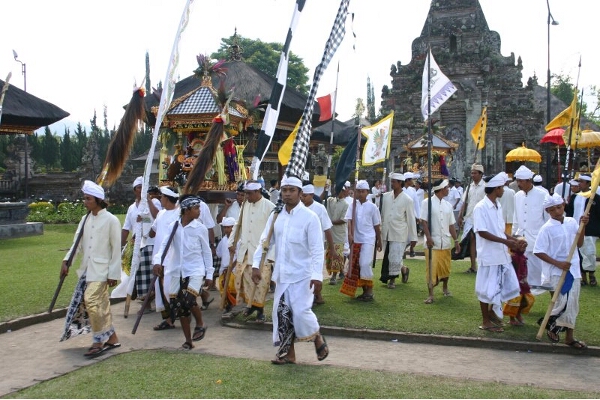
(289, 250)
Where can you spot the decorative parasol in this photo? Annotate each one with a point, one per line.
(523, 154)
(589, 139)
(554, 136)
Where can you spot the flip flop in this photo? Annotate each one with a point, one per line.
(94, 351)
(496, 329)
(163, 326)
(516, 323)
(405, 275)
(186, 346)
(205, 305)
(429, 300)
(282, 361)
(553, 336)
(322, 348)
(199, 333)
(109, 346)
(577, 344)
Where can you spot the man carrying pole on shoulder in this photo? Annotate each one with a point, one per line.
(473, 195)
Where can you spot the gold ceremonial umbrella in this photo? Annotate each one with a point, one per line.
(588, 140)
(523, 154)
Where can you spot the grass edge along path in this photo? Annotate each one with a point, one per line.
(171, 374)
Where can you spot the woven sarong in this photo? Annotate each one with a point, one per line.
(440, 265)
(353, 276)
(77, 321)
(144, 275)
(334, 266)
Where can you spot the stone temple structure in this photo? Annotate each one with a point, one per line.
(468, 53)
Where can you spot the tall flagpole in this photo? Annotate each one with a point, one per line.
(567, 158)
(429, 142)
(330, 155)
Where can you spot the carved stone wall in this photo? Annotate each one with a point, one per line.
(468, 53)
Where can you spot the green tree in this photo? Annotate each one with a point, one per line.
(68, 158)
(265, 57)
(562, 87)
(35, 149)
(50, 149)
(80, 141)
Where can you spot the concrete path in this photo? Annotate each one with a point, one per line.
(33, 353)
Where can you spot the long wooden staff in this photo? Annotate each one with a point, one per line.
(263, 257)
(69, 262)
(561, 281)
(236, 238)
(153, 283)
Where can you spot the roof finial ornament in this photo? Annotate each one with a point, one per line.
(235, 50)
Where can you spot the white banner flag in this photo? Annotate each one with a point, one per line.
(438, 90)
(378, 137)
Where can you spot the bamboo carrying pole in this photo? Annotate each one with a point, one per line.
(561, 281)
(263, 257)
(236, 238)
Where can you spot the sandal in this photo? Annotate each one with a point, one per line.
(447, 294)
(577, 344)
(553, 336)
(199, 333)
(186, 346)
(163, 326)
(282, 361)
(332, 281)
(366, 297)
(496, 329)
(205, 305)
(248, 311)
(322, 350)
(391, 285)
(405, 275)
(593, 281)
(94, 351)
(429, 300)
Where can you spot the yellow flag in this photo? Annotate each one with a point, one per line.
(478, 131)
(564, 118)
(285, 151)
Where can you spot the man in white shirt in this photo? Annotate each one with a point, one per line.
(336, 209)
(308, 200)
(437, 238)
(398, 228)
(274, 191)
(256, 211)
(592, 230)
(412, 193)
(496, 280)
(299, 254)
(376, 192)
(100, 269)
(473, 195)
(563, 185)
(529, 216)
(232, 208)
(190, 259)
(507, 201)
(364, 236)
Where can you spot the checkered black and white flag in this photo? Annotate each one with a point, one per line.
(301, 144)
(272, 113)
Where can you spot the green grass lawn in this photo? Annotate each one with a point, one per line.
(31, 267)
(163, 374)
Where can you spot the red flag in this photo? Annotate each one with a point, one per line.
(325, 106)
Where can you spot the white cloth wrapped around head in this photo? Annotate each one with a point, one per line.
(362, 185)
(168, 192)
(228, 221)
(308, 189)
(523, 173)
(497, 180)
(291, 181)
(92, 189)
(397, 176)
(252, 186)
(440, 185)
(138, 181)
(554, 200)
(537, 178)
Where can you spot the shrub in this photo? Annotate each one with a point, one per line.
(65, 213)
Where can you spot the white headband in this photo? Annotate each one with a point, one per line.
(523, 173)
(138, 181)
(554, 200)
(397, 176)
(441, 185)
(308, 189)
(362, 185)
(228, 221)
(498, 180)
(252, 186)
(168, 192)
(537, 178)
(291, 181)
(92, 189)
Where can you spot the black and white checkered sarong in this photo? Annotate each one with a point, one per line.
(143, 278)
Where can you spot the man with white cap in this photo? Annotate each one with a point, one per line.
(529, 216)
(437, 238)
(537, 182)
(298, 239)
(100, 249)
(307, 198)
(255, 213)
(563, 186)
(190, 259)
(410, 190)
(160, 228)
(473, 195)
(496, 280)
(569, 207)
(336, 209)
(223, 252)
(364, 236)
(552, 246)
(592, 229)
(140, 219)
(398, 229)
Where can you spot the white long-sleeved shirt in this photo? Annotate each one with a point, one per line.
(398, 223)
(442, 216)
(189, 253)
(254, 219)
(367, 217)
(476, 194)
(164, 218)
(101, 247)
(487, 217)
(529, 215)
(555, 240)
(298, 241)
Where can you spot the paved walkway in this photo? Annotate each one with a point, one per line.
(33, 353)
